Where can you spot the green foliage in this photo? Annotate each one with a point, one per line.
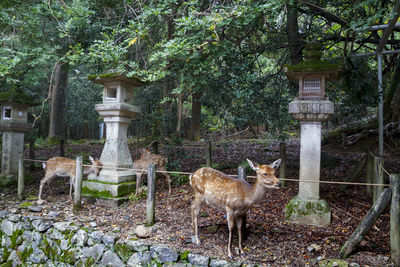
(141, 194)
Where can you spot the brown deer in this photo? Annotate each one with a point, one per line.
(230, 194)
(142, 164)
(65, 167)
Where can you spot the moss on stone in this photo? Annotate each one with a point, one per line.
(184, 256)
(123, 251)
(333, 262)
(26, 253)
(15, 94)
(68, 257)
(16, 238)
(312, 66)
(95, 193)
(25, 205)
(49, 250)
(301, 207)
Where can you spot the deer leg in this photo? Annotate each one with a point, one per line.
(138, 181)
(239, 222)
(42, 183)
(71, 184)
(169, 182)
(231, 222)
(196, 205)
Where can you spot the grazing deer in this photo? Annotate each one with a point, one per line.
(65, 167)
(144, 162)
(232, 195)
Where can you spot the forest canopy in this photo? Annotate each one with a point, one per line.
(213, 67)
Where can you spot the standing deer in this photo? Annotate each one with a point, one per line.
(232, 195)
(144, 162)
(65, 167)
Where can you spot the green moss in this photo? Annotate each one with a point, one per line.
(16, 238)
(68, 257)
(95, 193)
(312, 65)
(184, 256)
(333, 262)
(123, 251)
(300, 207)
(89, 262)
(15, 94)
(6, 254)
(49, 250)
(25, 204)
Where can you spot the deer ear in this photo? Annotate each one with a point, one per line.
(252, 165)
(91, 159)
(276, 164)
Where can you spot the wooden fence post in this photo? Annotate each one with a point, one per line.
(242, 173)
(208, 154)
(395, 220)
(21, 181)
(282, 170)
(366, 223)
(32, 153)
(370, 172)
(78, 185)
(151, 194)
(378, 177)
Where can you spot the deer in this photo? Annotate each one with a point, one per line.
(232, 195)
(142, 164)
(65, 167)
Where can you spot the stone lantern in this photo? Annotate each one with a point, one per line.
(13, 123)
(310, 108)
(114, 183)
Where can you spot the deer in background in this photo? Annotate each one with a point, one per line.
(65, 167)
(142, 164)
(230, 194)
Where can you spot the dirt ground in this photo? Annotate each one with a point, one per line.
(271, 241)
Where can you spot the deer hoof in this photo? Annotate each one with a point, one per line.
(195, 240)
(40, 201)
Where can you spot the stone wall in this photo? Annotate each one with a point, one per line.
(33, 240)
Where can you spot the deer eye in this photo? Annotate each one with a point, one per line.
(265, 174)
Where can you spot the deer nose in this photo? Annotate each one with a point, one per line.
(279, 184)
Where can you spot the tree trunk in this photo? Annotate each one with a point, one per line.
(196, 114)
(393, 96)
(56, 128)
(292, 35)
(179, 110)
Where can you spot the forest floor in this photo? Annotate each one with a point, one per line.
(271, 241)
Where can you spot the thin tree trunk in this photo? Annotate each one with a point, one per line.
(292, 35)
(196, 114)
(56, 128)
(179, 109)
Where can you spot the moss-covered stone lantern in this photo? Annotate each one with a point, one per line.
(310, 108)
(13, 124)
(115, 182)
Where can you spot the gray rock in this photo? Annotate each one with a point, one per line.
(163, 254)
(354, 264)
(62, 226)
(14, 259)
(198, 260)
(111, 259)
(5, 242)
(96, 236)
(32, 218)
(139, 259)
(41, 225)
(64, 245)
(27, 236)
(4, 214)
(94, 252)
(27, 226)
(93, 224)
(176, 264)
(219, 263)
(142, 231)
(54, 213)
(116, 229)
(35, 208)
(14, 217)
(55, 234)
(137, 245)
(37, 238)
(80, 238)
(7, 227)
(109, 240)
(37, 256)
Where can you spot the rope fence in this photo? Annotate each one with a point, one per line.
(252, 177)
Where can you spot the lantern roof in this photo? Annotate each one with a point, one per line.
(313, 65)
(114, 75)
(16, 95)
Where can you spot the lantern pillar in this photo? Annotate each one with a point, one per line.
(311, 108)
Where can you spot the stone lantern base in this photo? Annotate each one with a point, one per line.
(308, 211)
(110, 189)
